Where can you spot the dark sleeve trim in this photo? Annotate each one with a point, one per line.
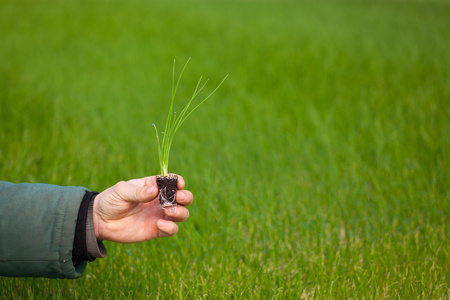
(80, 251)
(95, 247)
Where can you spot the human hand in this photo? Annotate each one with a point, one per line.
(129, 211)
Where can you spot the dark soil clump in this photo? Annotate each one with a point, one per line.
(167, 189)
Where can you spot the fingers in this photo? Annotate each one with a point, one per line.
(184, 197)
(180, 214)
(166, 228)
(147, 181)
(132, 193)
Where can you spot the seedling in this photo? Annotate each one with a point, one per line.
(167, 184)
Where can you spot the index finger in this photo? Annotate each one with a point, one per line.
(145, 181)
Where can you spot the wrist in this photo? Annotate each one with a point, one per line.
(97, 219)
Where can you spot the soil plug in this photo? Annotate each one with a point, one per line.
(167, 186)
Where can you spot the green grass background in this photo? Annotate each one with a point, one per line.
(319, 169)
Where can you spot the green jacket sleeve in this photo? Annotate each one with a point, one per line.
(37, 229)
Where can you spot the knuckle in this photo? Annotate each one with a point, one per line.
(121, 184)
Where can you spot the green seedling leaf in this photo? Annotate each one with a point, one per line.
(174, 121)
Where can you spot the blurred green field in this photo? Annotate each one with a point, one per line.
(319, 169)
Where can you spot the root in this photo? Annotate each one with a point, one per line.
(167, 203)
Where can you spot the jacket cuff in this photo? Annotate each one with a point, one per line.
(95, 247)
(85, 244)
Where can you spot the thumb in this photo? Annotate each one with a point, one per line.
(132, 193)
